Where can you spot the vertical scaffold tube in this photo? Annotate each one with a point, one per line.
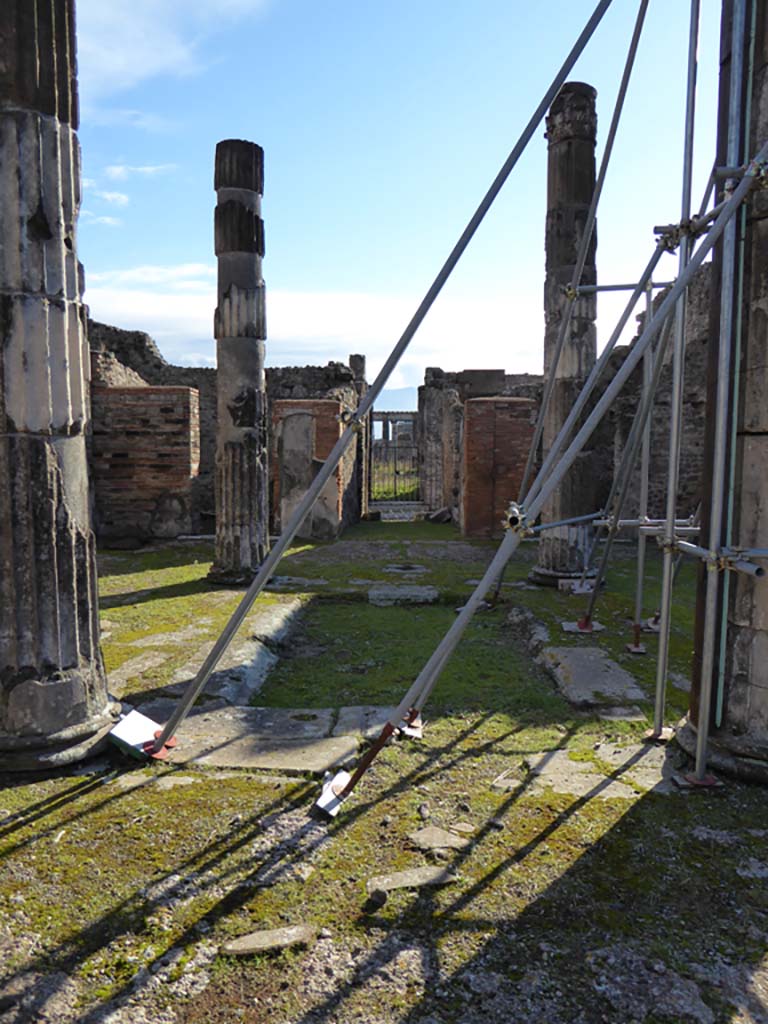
(678, 369)
(721, 411)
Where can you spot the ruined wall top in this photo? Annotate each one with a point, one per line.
(336, 380)
(138, 351)
(134, 349)
(572, 114)
(483, 383)
(38, 68)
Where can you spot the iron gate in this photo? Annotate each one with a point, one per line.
(394, 458)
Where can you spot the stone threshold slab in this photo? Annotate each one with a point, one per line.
(304, 740)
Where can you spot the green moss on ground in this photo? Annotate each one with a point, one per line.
(128, 879)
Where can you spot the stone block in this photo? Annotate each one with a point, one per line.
(362, 720)
(270, 739)
(413, 878)
(386, 594)
(586, 676)
(39, 708)
(434, 838)
(273, 938)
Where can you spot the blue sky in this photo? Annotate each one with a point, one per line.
(382, 125)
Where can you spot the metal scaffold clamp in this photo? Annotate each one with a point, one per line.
(760, 174)
(347, 418)
(669, 235)
(515, 518)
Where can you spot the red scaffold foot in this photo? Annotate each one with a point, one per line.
(707, 782)
(164, 751)
(637, 647)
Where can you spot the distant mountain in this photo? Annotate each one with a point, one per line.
(397, 400)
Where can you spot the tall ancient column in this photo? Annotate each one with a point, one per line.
(739, 712)
(240, 328)
(53, 696)
(571, 136)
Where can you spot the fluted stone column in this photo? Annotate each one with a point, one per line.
(53, 696)
(571, 137)
(240, 328)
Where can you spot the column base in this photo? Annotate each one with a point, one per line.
(551, 577)
(739, 759)
(563, 553)
(45, 753)
(231, 577)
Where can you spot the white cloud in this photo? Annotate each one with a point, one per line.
(116, 198)
(183, 274)
(93, 218)
(124, 42)
(313, 327)
(196, 359)
(142, 119)
(88, 183)
(121, 172)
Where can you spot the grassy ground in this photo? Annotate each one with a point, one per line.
(119, 882)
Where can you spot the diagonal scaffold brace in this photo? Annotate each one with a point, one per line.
(338, 789)
(354, 423)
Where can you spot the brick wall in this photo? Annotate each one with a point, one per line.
(134, 354)
(145, 457)
(303, 433)
(497, 438)
(440, 425)
(139, 356)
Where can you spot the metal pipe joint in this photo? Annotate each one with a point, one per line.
(516, 519)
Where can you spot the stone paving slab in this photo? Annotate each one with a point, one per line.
(274, 938)
(362, 720)
(270, 739)
(244, 666)
(620, 714)
(405, 570)
(171, 639)
(137, 666)
(586, 676)
(640, 768)
(434, 838)
(579, 778)
(314, 756)
(412, 878)
(385, 594)
(278, 582)
(649, 765)
(287, 723)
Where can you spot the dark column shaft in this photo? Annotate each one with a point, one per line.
(242, 512)
(571, 135)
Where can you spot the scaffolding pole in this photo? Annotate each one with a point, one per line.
(354, 424)
(642, 511)
(678, 370)
(720, 455)
(519, 516)
(622, 480)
